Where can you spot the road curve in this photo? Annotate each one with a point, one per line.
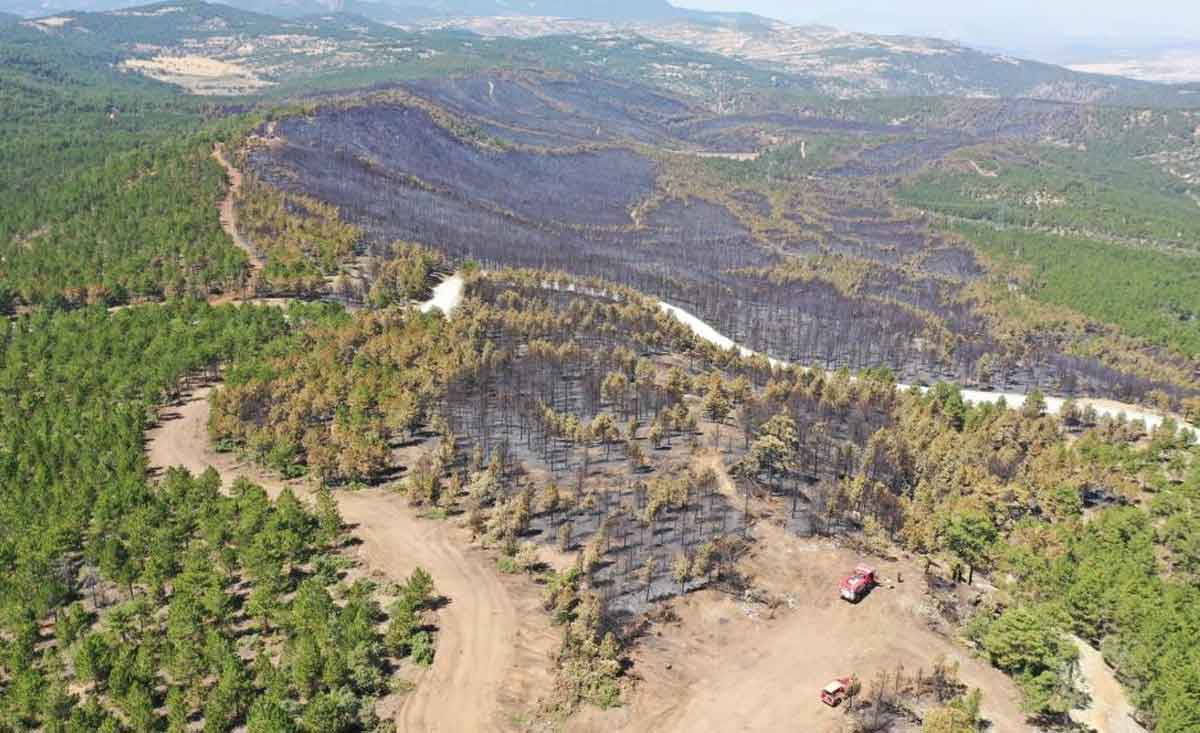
(493, 643)
(450, 298)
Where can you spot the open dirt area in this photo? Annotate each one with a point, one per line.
(733, 665)
(199, 74)
(729, 666)
(494, 642)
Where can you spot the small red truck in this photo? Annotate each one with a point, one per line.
(835, 692)
(856, 586)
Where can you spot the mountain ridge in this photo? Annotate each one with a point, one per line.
(810, 59)
(614, 10)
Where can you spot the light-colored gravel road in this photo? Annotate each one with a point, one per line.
(1103, 408)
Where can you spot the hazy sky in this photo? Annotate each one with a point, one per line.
(990, 21)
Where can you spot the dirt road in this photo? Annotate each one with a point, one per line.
(494, 642)
(229, 212)
(1109, 710)
(447, 295)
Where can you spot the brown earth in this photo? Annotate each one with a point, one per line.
(1108, 709)
(733, 665)
(199, 75)
(229, 211)
(494, 641)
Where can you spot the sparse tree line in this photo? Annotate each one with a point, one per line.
(651, 534)
(370, 382)
(935, 699)
(310, 251)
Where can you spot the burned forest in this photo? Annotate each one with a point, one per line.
(479, 171)
(466, 368)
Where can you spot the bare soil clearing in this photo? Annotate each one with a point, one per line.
(494, 642)
(733, 665)
(729, 666)
(199, 74)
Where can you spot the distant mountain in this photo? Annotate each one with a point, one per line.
(218, 50)
(45, 8)
(726, 54)
(609, 10)
(616, 11)
(850, 65)
(414, 11)
(6, 18)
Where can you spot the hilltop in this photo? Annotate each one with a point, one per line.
(614, 10)
(219, 50)
(270, 42)
(848, 65)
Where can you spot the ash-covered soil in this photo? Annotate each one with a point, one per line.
(565, 173)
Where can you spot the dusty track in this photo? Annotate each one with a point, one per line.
(1108, 710)
(493, 646)
(229, 211)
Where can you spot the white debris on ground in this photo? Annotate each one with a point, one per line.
(447, 295)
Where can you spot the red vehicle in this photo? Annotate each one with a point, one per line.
(857, 586)
(835, 692)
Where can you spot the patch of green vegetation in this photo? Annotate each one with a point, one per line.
(791, 161)
(1029, 643)
(1148, 294)
(1118, 576)
(167, 601)
(1106, 194)
(443, 64)
(1101, 581)
(108, 187)
(302, 238)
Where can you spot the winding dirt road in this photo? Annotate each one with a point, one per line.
(229, 211)
(494, 642)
